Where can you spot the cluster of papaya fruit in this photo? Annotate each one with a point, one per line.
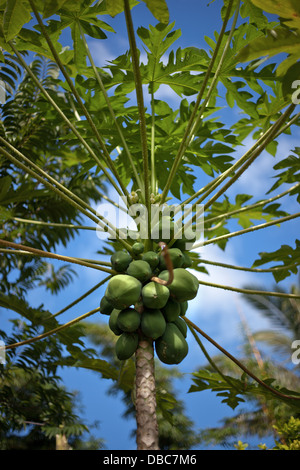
(140, 300)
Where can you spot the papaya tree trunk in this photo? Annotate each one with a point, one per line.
(62, 442)
(145, 400)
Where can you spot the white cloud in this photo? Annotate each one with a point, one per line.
(218, 311)
(166, 93)
(101, 53)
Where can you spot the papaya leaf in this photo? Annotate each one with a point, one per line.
(289, 10)
(79, 49)
(158, 39)
(16, 14)
(237, 391)
(276, 41)
(5, 184)
(177, 72)
(289, 73)
(114, 7)
(241, 98)
(255, 14)
(92, 30)
(290, 173)
(5, 214)
(284, 256)
(29, 40)
(51, 7)
(206, 380)
(159, 9)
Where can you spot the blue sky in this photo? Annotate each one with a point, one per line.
(217, 312)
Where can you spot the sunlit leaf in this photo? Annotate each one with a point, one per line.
(51, 7)
(289, 10)
(278, 40)
(284, 256)
(16, 14)
(159, 9)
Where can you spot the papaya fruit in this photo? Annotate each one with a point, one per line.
(181, 325)
(120, 261)
(123, 291)
(105, 307)
(171, 310)
(183, 308)
(140, 270)
(126, 345)
(187, 261)
(128, 320)
(138, 248)
(155, 295)
(153, 323)
(184, 285)
(176, 256)
(171, 347)
(112, 322)
(163, 230)
(152, 259)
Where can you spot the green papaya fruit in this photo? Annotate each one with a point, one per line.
(112, 322)
(126, 345)
(171, 310)
(181, 325)
(123, 290)
(163, 230)
(140, 270)
(138, 248)
(183, 307)
(120, 261)
(129, 320)
(105, 307)
(152, 259)
(155, 295)
(153, 323)
(187, 261)
(176, 257)
(184, 285)
(171, 347)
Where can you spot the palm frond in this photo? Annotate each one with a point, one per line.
(283, 313)
(55, 280)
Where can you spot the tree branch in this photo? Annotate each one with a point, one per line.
(52, 332)
(47, 254)
(249, 291)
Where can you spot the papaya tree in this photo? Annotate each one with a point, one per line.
(171, 171)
